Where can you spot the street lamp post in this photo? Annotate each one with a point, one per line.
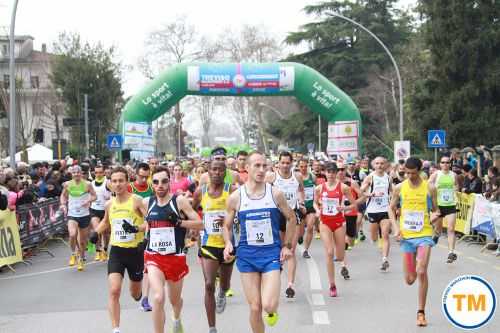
(393, 62)
(12, 92)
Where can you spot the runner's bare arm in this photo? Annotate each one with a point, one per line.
(366, 184)
(361, 195)
(317, 202)
(393, 207)
(104, 224)
(270, 177)
(289, 214)
(432, 179)
(231, 207)
(193, 221)
(196, 198)
(346, 190)
(93, 195)
(435, 209)
(138, 207)
(64, 195)
(301, 194)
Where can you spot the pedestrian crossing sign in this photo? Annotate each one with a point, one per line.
(114, 141)
(436, 139)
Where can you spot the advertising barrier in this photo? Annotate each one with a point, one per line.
(39, 222)
(10, 243)
(465, 207)
(482, 218)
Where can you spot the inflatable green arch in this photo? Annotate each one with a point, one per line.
(241, 79)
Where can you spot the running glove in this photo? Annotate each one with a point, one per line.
(129, 228)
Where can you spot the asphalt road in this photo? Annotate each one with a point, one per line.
(48, 296)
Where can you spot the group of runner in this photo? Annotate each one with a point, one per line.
(253, 214)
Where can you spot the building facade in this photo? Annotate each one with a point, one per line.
(39, 109)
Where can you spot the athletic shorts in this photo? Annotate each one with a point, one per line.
(362, 208)
(310, 210)
(334, 225)
(377, 217)
(258, 264)
(131, 259)
(214, 253)
(96, 213)
(283, 221)
(410, 245)
(447, 210)
(350, 230)
(83, 222)
(174, 267)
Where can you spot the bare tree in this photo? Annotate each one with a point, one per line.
(173, 43)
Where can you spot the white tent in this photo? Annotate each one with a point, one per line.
(36, 153)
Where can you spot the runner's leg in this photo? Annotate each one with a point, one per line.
(327, 238)
(385, 226)
(409, 267)
(73, 233)
(423, 256)
(157, 285)
(270, 283)
(226, 271)
(83, 236)
(251, 283)
(210, 268)
(292, 262)
(310, 220)
(115, 286)
(339, 243)
(175, 297)
(451, 221)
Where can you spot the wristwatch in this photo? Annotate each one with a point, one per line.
(287, 245)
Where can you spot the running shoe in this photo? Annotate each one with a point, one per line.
(317, 236)
(177, 326)
(229, 293)
(385, 266)
(345, 273)
(451, 258)
(212, 330)
(97, 256)
(300, 240)
(272, 319)
(104, 256)
(333, 291)
(290, 293)
(362, 236)
(72, 260)
(306, 254)
(145, 306)
(421, 321)
(81, 265)
(356, 241)
(220, 302)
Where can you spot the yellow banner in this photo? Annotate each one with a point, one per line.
(10, 243)
(465, 207)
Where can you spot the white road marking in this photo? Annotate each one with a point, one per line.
(321, 318)
(476, 260)
(318, 299)
(44, 272)
(314, 277)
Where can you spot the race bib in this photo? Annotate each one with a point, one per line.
(119, 235)
(259, 232)
(162, 240)
(309, 193)
(212, 222)
(290, 199)
(329, 206)
(447, 195)
(413, 221)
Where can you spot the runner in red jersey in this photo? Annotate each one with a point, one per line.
(329, 206)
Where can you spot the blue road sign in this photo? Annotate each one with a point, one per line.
(436, 138)
(115, 141)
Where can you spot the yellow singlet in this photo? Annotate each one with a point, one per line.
(415, 205)
(124, 211)
(212, 209)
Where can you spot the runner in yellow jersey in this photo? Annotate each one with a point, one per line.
(212, 198)
(124, 215)
(416, 197)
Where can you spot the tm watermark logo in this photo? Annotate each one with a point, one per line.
(469, 302)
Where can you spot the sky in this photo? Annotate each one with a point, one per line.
(126, 23)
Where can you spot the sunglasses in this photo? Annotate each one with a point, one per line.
(445, 162)
(164, 181)
(341, 169)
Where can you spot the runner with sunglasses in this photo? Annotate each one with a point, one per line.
(168, 218)
(445, 182)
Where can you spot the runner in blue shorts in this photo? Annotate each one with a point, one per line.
(259, 207)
